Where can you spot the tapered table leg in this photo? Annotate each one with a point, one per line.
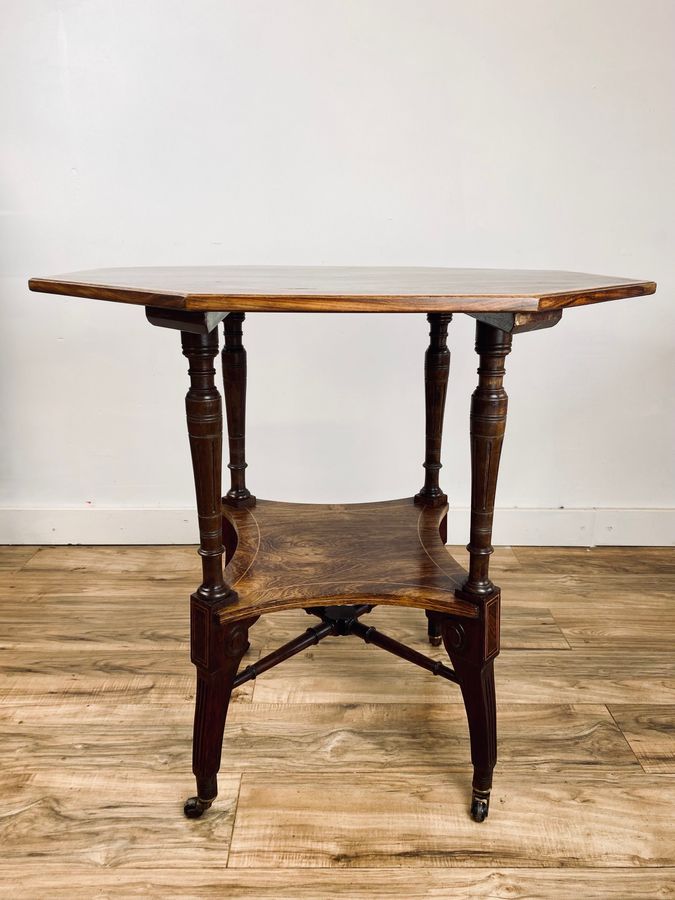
(234, 382)
(488, 423)
(216, 649)
(436, 370)
(473, 644)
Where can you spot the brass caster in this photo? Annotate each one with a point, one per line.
(480, 805)
(195, 807)
(435, 640)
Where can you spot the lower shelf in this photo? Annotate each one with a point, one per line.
(291, 555)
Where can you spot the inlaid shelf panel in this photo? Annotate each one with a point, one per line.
(291, 555)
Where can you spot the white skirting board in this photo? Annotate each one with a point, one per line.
(525, 527)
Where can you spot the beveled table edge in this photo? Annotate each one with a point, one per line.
(361, 303)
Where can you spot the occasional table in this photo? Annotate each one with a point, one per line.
(338, 561)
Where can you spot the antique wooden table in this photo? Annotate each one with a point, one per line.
(338, 561)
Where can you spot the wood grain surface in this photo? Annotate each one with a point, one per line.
(420, 820)
(343, 289)
(480, 883)
(650, 731)
(344, 771)
(291, 555)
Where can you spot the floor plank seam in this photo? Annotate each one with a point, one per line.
(628, 744)
(234, 820)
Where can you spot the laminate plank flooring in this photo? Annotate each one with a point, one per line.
(362, 675)
(480, 883)
(345, 771)
(320, 820)
(650, 731)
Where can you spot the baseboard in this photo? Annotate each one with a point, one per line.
(525, 527)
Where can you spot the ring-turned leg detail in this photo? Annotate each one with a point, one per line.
(205, 429)
(436, 370)
(488, 423)
(234, 382)
(472, 645)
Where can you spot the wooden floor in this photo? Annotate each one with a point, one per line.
(345, 771)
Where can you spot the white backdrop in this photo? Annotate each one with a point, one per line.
(410, 132)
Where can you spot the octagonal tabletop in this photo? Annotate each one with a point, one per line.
(343, 289)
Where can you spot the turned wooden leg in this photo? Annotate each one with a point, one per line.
(234, 381)
(215, 649)
(436, 369)
(205, 429)
(488, 422)
(472, 645)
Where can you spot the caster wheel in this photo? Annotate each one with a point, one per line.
(479, 808)
(435, 640)
(194, 807)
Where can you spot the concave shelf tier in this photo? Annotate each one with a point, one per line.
(295, 555)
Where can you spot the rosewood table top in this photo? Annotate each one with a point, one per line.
(343, 289)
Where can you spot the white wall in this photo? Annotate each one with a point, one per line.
(425, 132)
